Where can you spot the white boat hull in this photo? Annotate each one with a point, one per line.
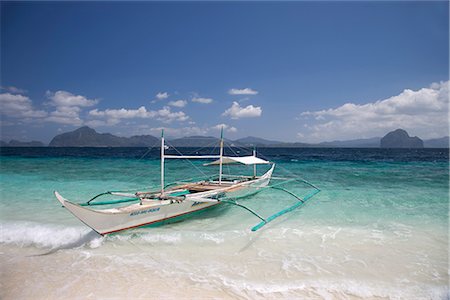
(151, 211)
(107, 221)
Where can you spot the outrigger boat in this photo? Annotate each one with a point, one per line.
(184, 198)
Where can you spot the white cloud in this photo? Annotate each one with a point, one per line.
(14, 90)
(162, 95)
(76, 121)
(19, 106)
(178, 103)
(246, 91)
(237, 112)
(66, 115)
(225, 127)
(202, 100)
(122, 113)
(98, 123)
(113, 116)
(423, 112)
(67, 107)
(63, 98)
(179, 132)
(187, 130)
(167, 116)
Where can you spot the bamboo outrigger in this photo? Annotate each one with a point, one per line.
(183, 198)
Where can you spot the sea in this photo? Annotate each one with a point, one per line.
(378, 229)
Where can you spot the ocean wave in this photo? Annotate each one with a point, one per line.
(24, 234)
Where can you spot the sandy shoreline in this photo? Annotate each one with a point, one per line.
(85, 274)
(31, 277)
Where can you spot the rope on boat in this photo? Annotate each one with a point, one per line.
(198, 169)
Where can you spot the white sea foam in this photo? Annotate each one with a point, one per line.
(280, 263)
(325, 289)
(169, 237)
(25, 234)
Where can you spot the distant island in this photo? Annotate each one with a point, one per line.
(88, 137)
(15, 143)
(400, 139)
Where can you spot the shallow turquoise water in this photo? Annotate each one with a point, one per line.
(380, 220)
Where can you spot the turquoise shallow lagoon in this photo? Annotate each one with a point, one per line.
(378, 229)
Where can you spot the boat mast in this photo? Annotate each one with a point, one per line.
(162, 162)
(221, 155)
(254, 165)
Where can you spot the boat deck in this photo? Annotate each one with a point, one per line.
(203, 187)
(177, 193)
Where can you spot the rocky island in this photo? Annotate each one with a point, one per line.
(400, 139)
(88, 137)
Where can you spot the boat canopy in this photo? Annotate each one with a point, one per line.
(245, 160)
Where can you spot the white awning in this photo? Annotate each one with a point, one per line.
(245, 160)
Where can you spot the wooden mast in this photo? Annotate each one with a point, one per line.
(254, 165)
(162, 162)
(221, 155)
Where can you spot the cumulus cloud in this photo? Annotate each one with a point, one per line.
(202, 100)
(225, 127)
(122, 113)
(98, 123)
(69, 115)
(237, 112)
(63, 98)
(178, 103)
(162, 95)
(14, 90)
(246, 91)
(423, 112)
(167, 116)
(113, 116)
(70, 109)
(179, 132)
(187, 130)
(19, 106)
(67, 107)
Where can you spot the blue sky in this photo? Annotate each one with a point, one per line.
(289, 71)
